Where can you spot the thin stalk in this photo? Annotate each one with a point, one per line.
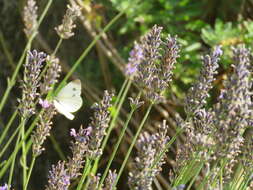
(10, 140)
(204, 181)
(120, 93)
(57, 46)
(13, 161)
(30, 172)
(11, 82)
(132, 145)
(8, 126)
(85, 173)
(113, 122)
(57, 147)
(28, 132)
(23, 158)
(195, 176)
(116, 147)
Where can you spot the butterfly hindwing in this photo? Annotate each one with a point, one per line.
(61, 109)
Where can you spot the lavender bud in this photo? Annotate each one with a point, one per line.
(233, 110)
(151, 63)
(110, 180)
(135, 103)
(4, 187)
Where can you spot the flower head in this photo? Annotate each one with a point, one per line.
(65, 29)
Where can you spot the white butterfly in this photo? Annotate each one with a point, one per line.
(69, 100)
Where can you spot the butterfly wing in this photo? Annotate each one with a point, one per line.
(62, 110)
(71, 104)
(68, 100)
(72, 89)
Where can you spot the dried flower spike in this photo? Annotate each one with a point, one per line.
(30, 17)
(65, 30)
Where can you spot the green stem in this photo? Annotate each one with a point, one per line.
(28, 132)
(132, 145)
(30, 172)
(57, 47)
(8, 126)
(57, 147)
(85, 173)
(9, 141)
(13, 161)
(116, 147)
(24, 163)
(12, 81)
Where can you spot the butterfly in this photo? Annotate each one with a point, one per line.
(69, 100)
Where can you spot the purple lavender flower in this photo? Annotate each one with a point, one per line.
(233, 111)
(151, 63)
(79, 148)
(58, 178)
(4, 187)
(44, 103)
(31, 82)
(199, 92)
(98, 125)
(44, 126)
(136, 56)
(146, 167)
(73, 132)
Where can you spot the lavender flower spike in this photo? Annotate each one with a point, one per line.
(31, 82)
(151, 63)
(146, 167)
(58, 178)
(99, 124)
(199, 92)
(234, 109)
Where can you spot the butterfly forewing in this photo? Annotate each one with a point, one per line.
(72, 89)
